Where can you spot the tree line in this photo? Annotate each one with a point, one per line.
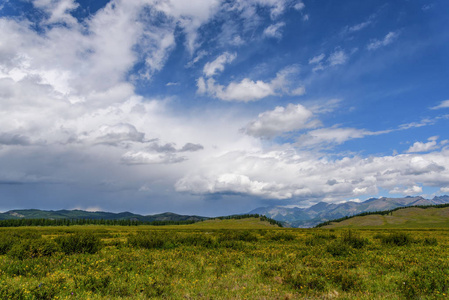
(71, 222)
(246, 216)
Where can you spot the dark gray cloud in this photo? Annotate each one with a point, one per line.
(189, 147)
(166, 148)
(13, 139)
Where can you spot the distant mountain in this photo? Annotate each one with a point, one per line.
(97, 215)
(322, 211)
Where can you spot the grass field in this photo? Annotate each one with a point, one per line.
(215, 260)
(410, 217)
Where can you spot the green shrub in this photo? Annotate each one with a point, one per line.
(80, 242)
(430, 242)
(319, 239)
(97, 283)
(337, 248)
(424, 282)
(196, 239)
(237, 235)
(149, 240)
(33, 248)
(7, 241)
(301, 281)
(354, 240)
(396, 238)
(347, 281)
(281, 236)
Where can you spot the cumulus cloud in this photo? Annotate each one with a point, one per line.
(115, 134)
(443, 104)
(211, 68)
(281, 119)
(413, 190)
(236, 184)
(69, 104)
(274, 30)
(244, 91)
(387, 40)
(287, 173)
(57, 11)
(189, 15)
(432, 144)
(248, 90)
(140, 157)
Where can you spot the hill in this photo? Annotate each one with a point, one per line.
(97, 215)
(410, 217)
(244, 223)
(321, 212)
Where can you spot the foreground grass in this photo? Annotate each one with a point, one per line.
(208, 263)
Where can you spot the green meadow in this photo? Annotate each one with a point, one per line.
(222, 259)
(405, 218)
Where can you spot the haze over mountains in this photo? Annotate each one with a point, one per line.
(320, 212)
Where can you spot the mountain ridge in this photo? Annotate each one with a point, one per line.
(322, 211)
(96, 215)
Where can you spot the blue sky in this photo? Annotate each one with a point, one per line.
(219, 107)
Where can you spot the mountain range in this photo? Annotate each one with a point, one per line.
(322, 211)
(97, 215)
(292, 217)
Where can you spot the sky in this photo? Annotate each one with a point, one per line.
(214, 107)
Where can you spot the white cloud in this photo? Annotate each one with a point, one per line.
(299, 6)
(443, 104)
(338, 57)
(444, 189)
(69, 109)
(298, 91)
(190, 15)
(245, 90)
(413, 190)
(387, 40)
(248, 90)
(369, 21)
(211, 68)
(274, 30)
(359, 26)
(58, 11)
(332, 136)
(282, 119)
(287, 173)
(316, 59)
(197, 58)
(424, 147)
(201, 85)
